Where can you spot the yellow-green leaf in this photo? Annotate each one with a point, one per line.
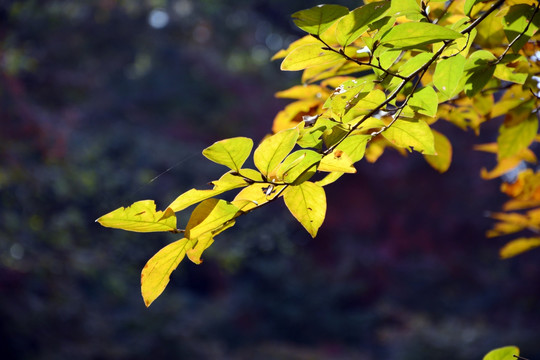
(329, 179)
(354, 146)
(307, 203)
(226, 183)
(425, 101)
(516, 20)
(157, 271)
(298, 166)
(469, 5)
(230, 152)
(408, 8)
(353, 25)
(409, 134)
(440, 162)
(448, 73)
(255, 195)
(414, 34)
(338, 161)
(210, 216)
(140, 217)
(515, 137)
(504, 353)
(318, 19)
(274, 149)
(307, 56)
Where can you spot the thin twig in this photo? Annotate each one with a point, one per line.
(347, 57)
(499, 59)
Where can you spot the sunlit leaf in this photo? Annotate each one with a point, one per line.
(157, 271)
(226, 183)
(516, 20)
(407, 8)
(448, 73)
(255, 195)
(353, 25)
(469, 5)
(354, 146)
(337, 161)
(504, 353)
(140, 217)
(519, 246)
(478, 71)
(440, 162)
(413, 34)
(319, 18)
(330, 178)
(414, 134)
(230, 152)
(307, 203)
(210, 216)
(274, 149)
(514, 137)
(298, 166)
(425, 101)
(307, 56)
(302, 92)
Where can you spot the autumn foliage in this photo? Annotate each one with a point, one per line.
(374, 79)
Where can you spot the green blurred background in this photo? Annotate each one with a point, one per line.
(98, 98)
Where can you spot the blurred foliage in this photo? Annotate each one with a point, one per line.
(95, 103)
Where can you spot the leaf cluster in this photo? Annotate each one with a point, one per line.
(374, 78)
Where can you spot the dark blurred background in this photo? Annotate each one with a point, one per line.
(97, 98)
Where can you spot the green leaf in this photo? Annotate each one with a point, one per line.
(407, 8)
(347, 95)
(425, 101)
(440, 162)
(157, 271)
(337, 161)
(414, 134)
(318, 19)
(230, 152)
(353, 25)
(478, 71)
(469, 5)
(274, 149)
(307, 203)
(414, 34)
(414, 64)
(210, 216)
(504, 353)
(515, 21)
(448, 73)
(226, 183)
(518, 246)
(515, 137)
(140, 217)
(307, 56)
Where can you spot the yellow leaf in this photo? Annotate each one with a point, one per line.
(157, 271)
(140, 217)
(230, 152)
(518, 246)
(414, 134)
(309, 55)
(210, 216)
(307, 203)
(203, 243)
(440, 162)
(337, 161)
(225, 183)
(274, 149)
(304, 92)
(255, 195)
